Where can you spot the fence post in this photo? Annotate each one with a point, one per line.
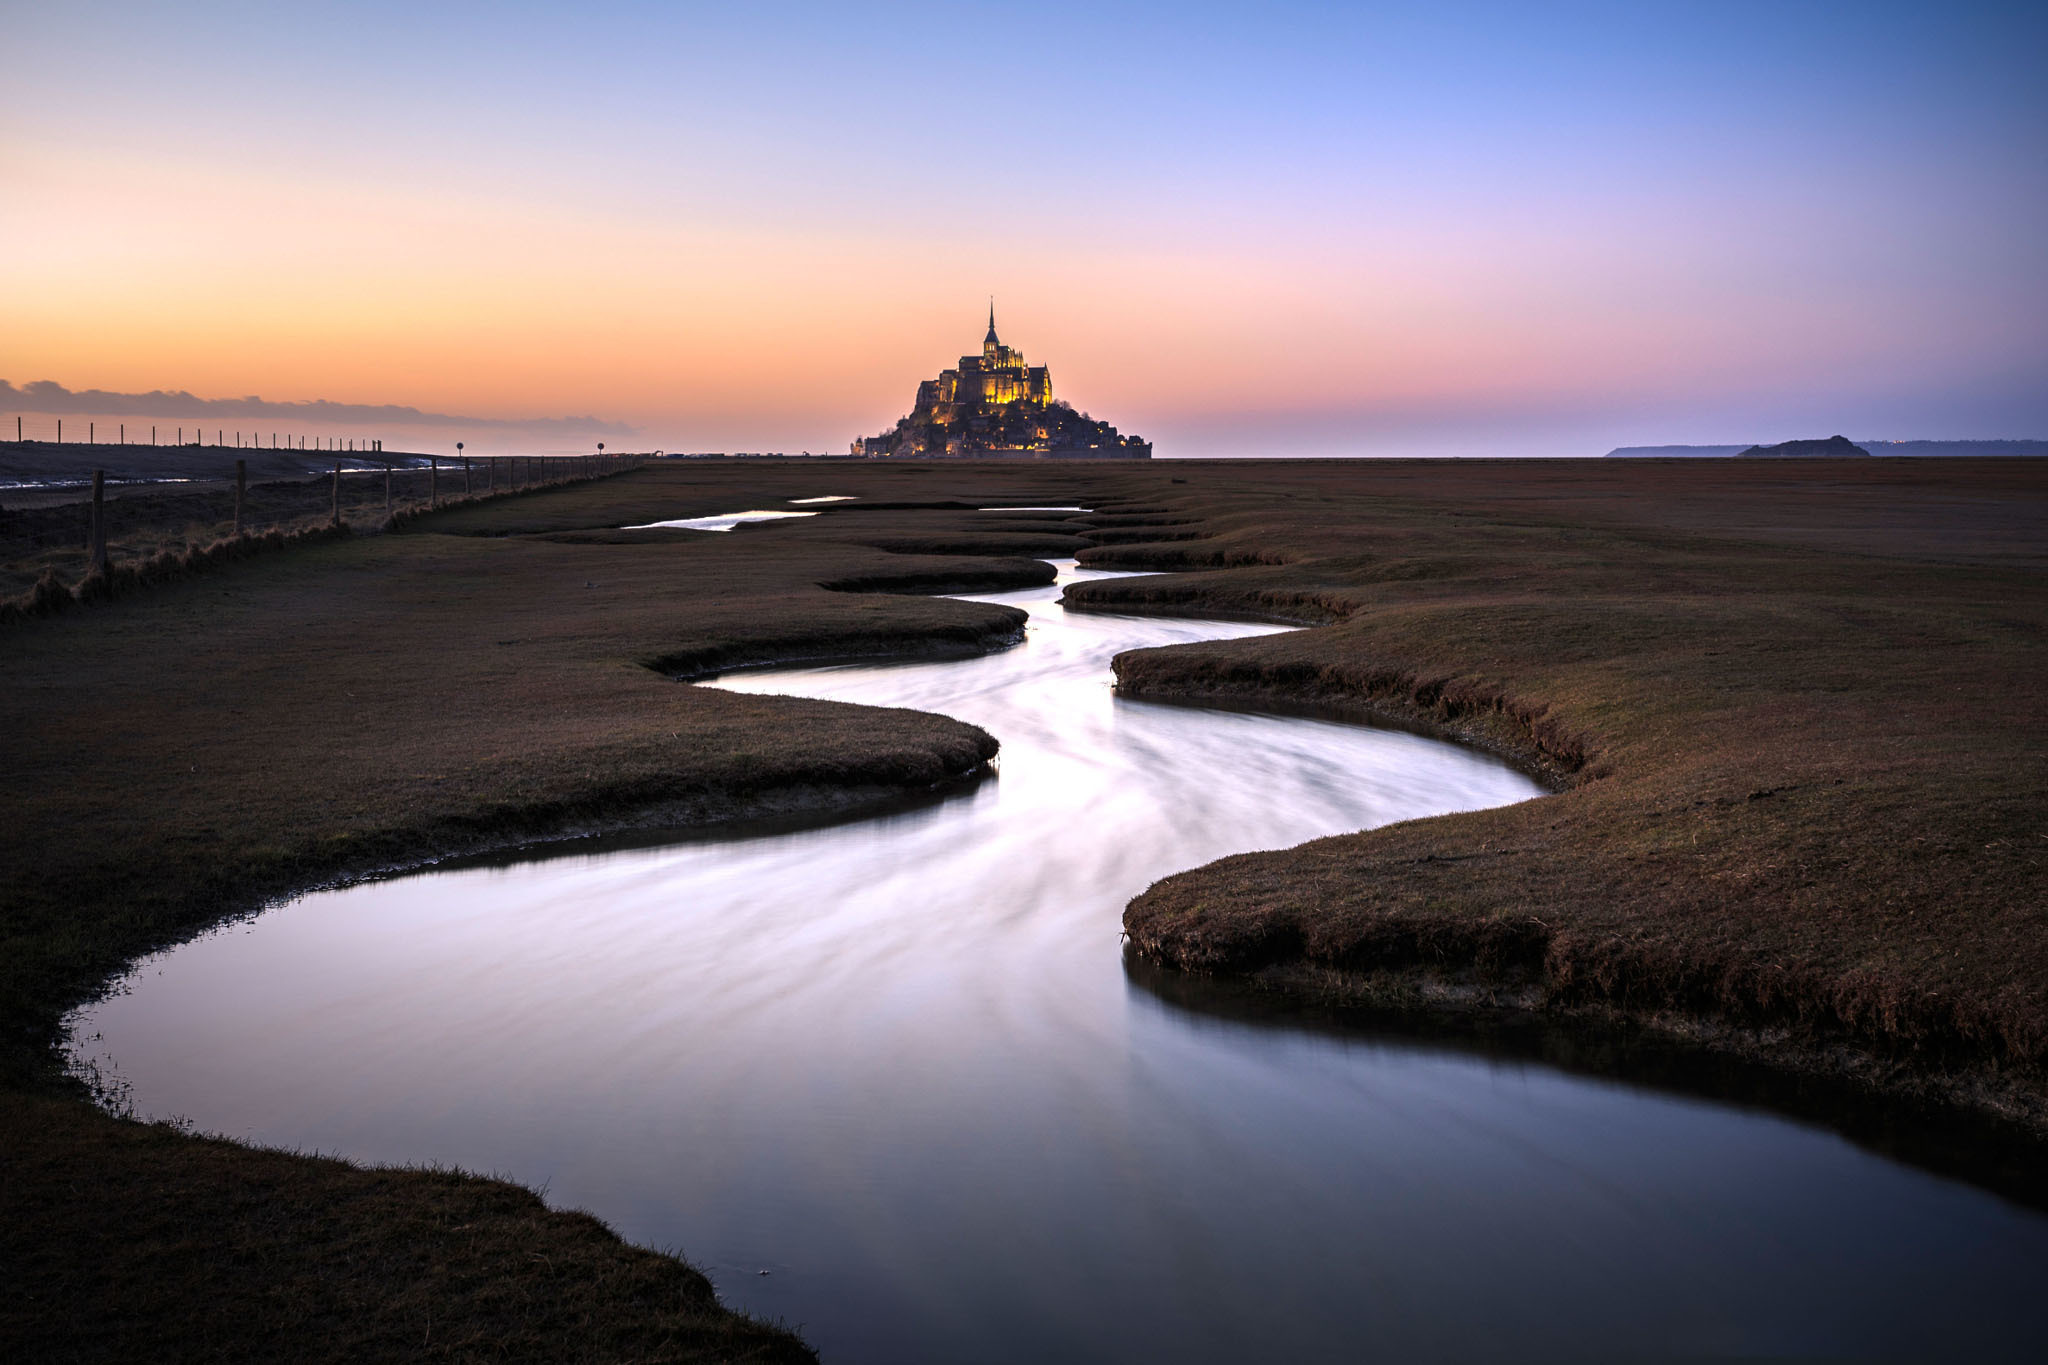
(433, 479)
(337, 492)
(387, 488)
(241, 486)
(97, 563)
(465, 476)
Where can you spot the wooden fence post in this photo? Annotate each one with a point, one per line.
(337, 492)
(241, 486)
(97, 562)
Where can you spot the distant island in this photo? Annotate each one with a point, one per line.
(1952, 448)
(1816, 449)
(995, 405)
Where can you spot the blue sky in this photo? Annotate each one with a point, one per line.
(1320, 228)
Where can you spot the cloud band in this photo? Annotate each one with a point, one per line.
(45, 395)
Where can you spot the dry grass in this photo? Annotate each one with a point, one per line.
(182, 1248)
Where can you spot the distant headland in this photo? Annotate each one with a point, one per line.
(1822, 447)
(1831, 447)
(995, 405)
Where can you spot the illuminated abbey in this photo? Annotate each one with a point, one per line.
(994, 404)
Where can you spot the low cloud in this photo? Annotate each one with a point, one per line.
(47, 396)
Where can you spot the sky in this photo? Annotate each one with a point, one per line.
(1376, 229)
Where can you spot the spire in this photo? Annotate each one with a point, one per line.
(990, 339)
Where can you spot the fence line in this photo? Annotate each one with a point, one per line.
(164, 435)
(171, 436)
(172, 556)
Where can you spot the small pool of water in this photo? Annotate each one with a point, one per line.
(724, 521)
(889, 1081)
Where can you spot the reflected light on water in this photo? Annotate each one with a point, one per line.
(723, 522)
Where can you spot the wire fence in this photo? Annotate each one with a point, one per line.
(116, 536)
(43, 428)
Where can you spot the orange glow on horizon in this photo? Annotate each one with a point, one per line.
(699, 335)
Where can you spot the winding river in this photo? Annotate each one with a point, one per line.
(888, 1082)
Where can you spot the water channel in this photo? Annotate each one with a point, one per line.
(888, 1081)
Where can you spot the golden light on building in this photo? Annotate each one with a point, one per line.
(996, 404)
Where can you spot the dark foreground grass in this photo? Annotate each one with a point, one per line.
(1794, 710)
(204, 1249)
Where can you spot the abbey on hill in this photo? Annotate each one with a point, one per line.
(996, 405)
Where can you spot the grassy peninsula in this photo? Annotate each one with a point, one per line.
(1794, 714)
(1793, 710)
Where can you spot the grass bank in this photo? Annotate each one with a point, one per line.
(1795, 716)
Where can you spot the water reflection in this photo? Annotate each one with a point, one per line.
(897, 1065)
(724, 521)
